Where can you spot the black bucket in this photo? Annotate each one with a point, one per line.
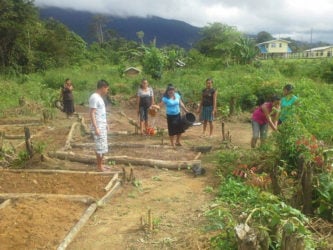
(187, 120)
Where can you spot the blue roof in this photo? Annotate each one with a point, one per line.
(262, 48)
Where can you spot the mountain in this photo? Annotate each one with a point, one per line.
(166, 32)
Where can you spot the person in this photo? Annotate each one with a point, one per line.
(266, 114)
(68, 98)
(287, 102)
(144, 101)
(172, 101)
(207, 107)
(99, 126)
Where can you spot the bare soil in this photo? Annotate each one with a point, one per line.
(176, 199)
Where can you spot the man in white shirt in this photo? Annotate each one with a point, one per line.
(99, 126)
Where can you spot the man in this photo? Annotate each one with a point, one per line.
(99, 124)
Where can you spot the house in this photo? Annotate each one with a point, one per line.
(274, 48)
(131, 71)
(319, 52)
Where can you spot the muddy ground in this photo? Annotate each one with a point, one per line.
(176, 199)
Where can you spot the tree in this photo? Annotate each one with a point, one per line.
(245, 50)
(18, 19)
(140, 34)
(153, 62)
(217, 40)
(97, 27)
(263, 36)
(58, 46)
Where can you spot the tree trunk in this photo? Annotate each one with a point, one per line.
(291, 242)
(307, 177)
(275, 183)
(123, 159)
(248, 238)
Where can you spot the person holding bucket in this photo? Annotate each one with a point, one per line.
(207, 107)
(172, 101)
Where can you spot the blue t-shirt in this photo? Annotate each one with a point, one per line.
(287, 107)
(172, 105)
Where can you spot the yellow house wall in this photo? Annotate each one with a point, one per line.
(322, 53)
(277, 48)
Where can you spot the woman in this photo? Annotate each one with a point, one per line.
(67, 97)
(144, 100)
(207, 107)
(266, 114)
(172, 101)
(287, 102)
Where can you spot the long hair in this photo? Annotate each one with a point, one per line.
(169, 87)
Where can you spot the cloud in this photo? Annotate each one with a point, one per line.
(293, 19)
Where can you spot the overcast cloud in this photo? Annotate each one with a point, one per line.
(281, 18)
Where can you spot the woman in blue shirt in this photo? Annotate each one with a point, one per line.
(172, 101)
(287, 102)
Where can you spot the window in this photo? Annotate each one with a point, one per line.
(273, 45)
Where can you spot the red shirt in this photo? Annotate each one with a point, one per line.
(259, 116)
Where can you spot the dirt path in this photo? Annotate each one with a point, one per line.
(177, 201)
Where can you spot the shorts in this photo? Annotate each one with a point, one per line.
(207, 113)
(101, 142)
(143, 111)
(259, 131)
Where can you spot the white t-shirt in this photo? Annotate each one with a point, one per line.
(97, 102)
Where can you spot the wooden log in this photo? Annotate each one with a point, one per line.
(109, 194)
(77, 198)
(197, 156)
(70, 135)
(5, 203)
(84, 126)
(16, 123)
(53, 171)
(74, 231)
(13, 137)
(123, 159)
(202, 149)
(123, 145)
(109, 185)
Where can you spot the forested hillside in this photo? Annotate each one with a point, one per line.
(166, 32)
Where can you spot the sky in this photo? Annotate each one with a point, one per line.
(302, 20)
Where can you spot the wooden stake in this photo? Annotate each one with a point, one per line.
(150, 220)
(28, 143)
(223, 134)
(79, 198)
